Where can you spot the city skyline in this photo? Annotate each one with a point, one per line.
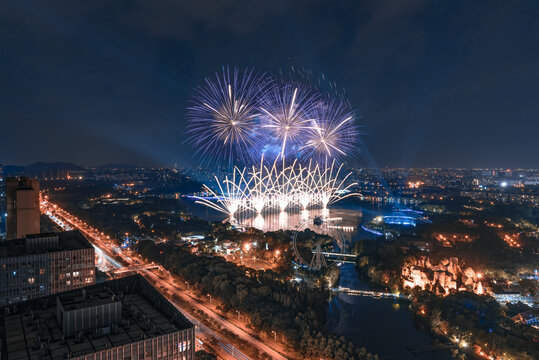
(431, 87)
(269, 180)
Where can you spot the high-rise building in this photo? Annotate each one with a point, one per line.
(22, 195)
(119, 319)
(43, 264)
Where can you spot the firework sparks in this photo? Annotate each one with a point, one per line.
(238, 116)
(232, 197)
(222, 121)
(332, 133)
(279, 188)
(286, 109)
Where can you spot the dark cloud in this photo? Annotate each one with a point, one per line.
(185, 19)
(436, 83)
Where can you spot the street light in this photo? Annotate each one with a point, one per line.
(274, 335)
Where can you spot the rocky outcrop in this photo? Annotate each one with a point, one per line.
(447, 275)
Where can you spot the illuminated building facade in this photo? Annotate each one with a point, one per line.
(43, 264)
(22, 207)
(125, 318)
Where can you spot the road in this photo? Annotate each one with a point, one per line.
(168, 283)
(107, 252)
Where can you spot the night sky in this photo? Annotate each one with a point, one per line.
(437, 84)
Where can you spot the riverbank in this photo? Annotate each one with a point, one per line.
(383, 326)
(386, 326)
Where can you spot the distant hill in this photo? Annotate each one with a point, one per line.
(41, 169)
(13, 170)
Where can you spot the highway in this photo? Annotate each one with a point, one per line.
(107, 251)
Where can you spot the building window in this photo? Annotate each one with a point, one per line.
(31, 280)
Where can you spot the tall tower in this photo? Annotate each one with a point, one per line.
(22, 207)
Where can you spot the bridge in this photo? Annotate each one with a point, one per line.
(318, 260)
(340, 257)
(136, 268)
(376, 294)
(327, 253)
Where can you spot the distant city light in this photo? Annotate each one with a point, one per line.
(503, 184)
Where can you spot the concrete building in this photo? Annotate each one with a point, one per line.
(91, 310)
(120, 319)
(22, 205)
(43, 264)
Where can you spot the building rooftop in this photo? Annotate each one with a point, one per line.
(87, 298)
(145, 314)
(68, 240)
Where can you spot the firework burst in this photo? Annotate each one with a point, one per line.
(286, 109)
(238, 116)
(222, 120)
(279, 188)
(332, 133)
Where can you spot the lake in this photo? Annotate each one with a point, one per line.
(383, 326)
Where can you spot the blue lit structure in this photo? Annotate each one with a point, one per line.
(372, 231)
(399, 220)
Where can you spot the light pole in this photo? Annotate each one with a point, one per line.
(274, 335)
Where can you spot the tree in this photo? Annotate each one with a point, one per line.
(528, 286)
(203, 355)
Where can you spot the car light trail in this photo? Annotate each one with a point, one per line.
(101, 243)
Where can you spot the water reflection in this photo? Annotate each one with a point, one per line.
(283, 219)
(257, 222)
(385, 326)
(341, 223)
